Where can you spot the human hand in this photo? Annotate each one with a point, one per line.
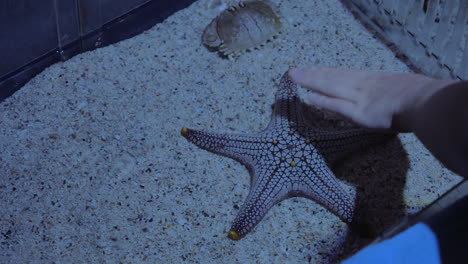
(373, 99)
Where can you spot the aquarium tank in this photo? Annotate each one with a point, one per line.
(158, 131)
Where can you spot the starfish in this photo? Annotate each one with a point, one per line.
(288, 159)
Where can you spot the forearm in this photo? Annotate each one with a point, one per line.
(441, 123)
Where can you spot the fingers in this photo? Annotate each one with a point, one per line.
(328, 81)
(344, 107)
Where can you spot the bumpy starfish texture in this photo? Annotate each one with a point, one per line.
(288, 159)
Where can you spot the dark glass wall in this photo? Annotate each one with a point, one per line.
(34, 34)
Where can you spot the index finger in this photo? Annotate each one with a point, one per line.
(327, 81)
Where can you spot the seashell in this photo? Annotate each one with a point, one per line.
(242, 27)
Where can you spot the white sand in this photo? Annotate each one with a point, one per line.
(93, 168)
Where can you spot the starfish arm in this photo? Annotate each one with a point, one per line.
(268, 188)
(287, 110)
(335, 145)
(244, 148)
(322, 186)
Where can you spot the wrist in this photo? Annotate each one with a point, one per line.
(405, 119)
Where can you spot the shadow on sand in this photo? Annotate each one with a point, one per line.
(379, 175)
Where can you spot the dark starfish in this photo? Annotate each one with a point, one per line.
(287, 159)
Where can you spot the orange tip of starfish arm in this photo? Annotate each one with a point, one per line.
(233, 235)
(184, 131)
